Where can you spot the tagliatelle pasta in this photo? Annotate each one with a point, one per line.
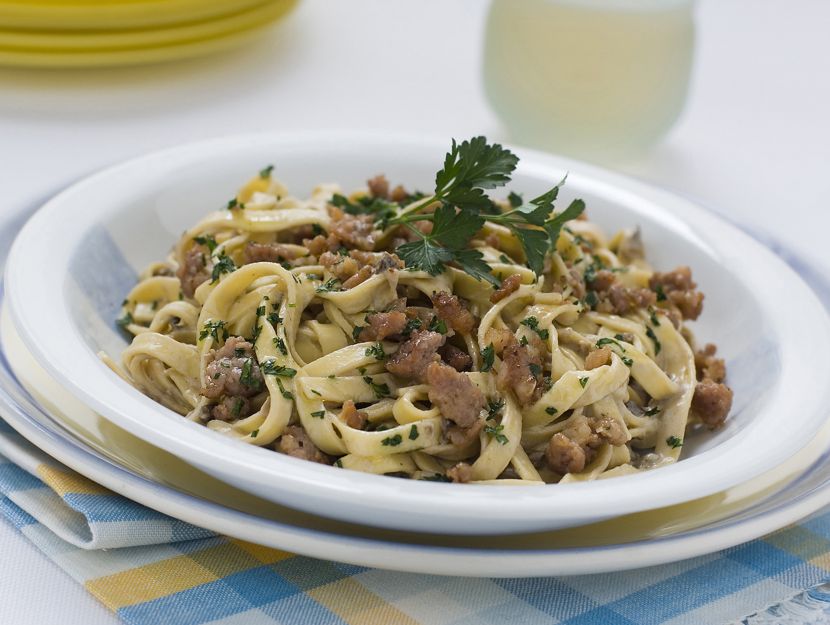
(443, 337)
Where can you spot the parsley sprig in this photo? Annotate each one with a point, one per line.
(470, 168)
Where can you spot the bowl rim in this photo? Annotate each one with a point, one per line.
(35, 285)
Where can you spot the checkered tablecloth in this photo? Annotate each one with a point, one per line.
(149, 568)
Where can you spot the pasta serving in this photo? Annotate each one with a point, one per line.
(446, 336)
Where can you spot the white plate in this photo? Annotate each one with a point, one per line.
(597, 547)
(644, 539)
(103, 229)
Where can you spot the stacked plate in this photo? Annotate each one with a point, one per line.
(87, 33)
(770, 466)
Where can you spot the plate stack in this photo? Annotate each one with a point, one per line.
(100, 33)
(769, 466)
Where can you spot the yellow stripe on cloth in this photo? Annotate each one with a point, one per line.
(64, 482)
(356, 605)
(149, 582)
(264, 555)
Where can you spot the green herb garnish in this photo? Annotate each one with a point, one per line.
(283, 392)
(674, 442)
(376, 351)
(438, 325)
(487, 356)
(583, 381)
(224, 264)
(208, 240)
(270, 367)
(494, 408)
(216, 329)
(413, 433)
(380, 390)
(392, 441)
(469, 169)
(265, 172)
(496, 432)
(318, 414)
(247, 376)
(551, 410)
(650, 334)
(328, 286)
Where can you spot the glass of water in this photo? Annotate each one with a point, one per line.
(598, 79)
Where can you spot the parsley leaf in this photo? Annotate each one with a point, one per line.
(496, 432)
(674, 442)
(376, 350)
(554, 226)
(216, 329)
(208, 240)
(270, 367)
(487, 356)
(266, 171)
(224, 264)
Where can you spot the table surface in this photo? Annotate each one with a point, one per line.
(753, 143)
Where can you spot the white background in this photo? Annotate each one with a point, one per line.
(753, 143)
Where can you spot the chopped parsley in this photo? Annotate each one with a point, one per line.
(438, 325)
(270, 367)
(412, 325)
(503, 258)
(280, 345)
(413, 433)
(318, 414)
(234, 203)
(392, 441)
(237, 406)
(256, 331)
(487, 356)
(551, 410)
(265, 172)
(376, 351)
(653, 316)
(583, 381)
(533, 324)
(260, 311)
(283, 392)
(650, 334)
(247, 376)
(380, 390)
(496, 432)
(207, 240)
(650, 412)
(628, 362)
(535, 369)
(215, 329)
(274, 318)
(606, 341)
(224, 264)
(328, 286)
(356, 332)
(661, 294)
(591, 299)
(338, 463)
(316, 392)
(126, 320)
(494, 408)
(674, 442)
(255, 433)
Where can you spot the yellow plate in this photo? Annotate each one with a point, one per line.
(85, 58)
(89, 15)
(30, 41)
(160, 466)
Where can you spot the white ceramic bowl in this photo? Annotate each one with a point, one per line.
(74, 261)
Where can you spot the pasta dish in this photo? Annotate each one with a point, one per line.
(448, 336)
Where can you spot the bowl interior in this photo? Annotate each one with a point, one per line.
(139, 228)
